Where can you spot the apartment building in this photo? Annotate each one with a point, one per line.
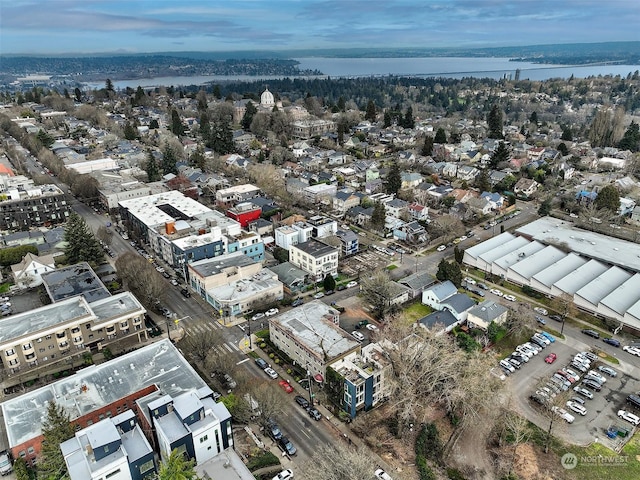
(315, 258)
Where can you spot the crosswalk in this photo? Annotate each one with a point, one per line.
(202, 327)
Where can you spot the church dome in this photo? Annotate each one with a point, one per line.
(266, 99)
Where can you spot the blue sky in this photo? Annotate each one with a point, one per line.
(85, 26)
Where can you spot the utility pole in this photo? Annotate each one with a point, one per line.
(309, 384)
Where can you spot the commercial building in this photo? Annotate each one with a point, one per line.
(226, 197)
(244, 213)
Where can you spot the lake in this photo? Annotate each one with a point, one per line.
(450, 67)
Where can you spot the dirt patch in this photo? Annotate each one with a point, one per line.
(526, 462)
(355, 313)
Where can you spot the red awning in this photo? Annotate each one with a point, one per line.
(318, 378)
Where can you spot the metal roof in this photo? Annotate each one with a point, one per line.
(559, 269)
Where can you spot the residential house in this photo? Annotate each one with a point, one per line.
(486, 312)
(526, 187)
(412, 232)
(410, 179)
(481, 206)
(396, 207)
(320, 193)
(467, 173)
(28, 273)
(349, 242)
(417, 283)
(291, 277)
(344, 200)
(359, 215)
(227, 197)
(495, 199)
(435, 296)
(418, 212)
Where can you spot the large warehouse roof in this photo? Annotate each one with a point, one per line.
(559, 269)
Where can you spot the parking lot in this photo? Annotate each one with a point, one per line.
(601, 410)
(365, 262)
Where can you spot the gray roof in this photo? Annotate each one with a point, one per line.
(347, 235)
(514, 256)
(50, 317)
(315, 248)
(78, 279)
(559, 269)
(312, 325)
(601, 286)
(159, 363)
(444, 290)
(459, 302)
(444, 317)
(489, 245)
(589, 244)
(418, 280)
(529, 266)
(288, 273)
(488, 311)
(502, 249)
(581, 276)
(213, 266)
(624, 296)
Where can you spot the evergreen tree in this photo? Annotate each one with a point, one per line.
(169, 160)
(545, 208)
(494, 122)
(77, 94)
(562, 148)
(56, 429)
(222, 138)
(449, 271)
(387, 119)
(176, 467)
(409, 121)
(176, 123)
(394, 179)
(441, 136)
(534, 117)
(197, 157)
(216, 92)
(153, 173)
(631, 138)
(46, 139)
(82, 245)
(378, 217)
(139, 97)
(341, 103)
(247, 118)
(608, 198)
(153, 124)
(458, 254)
(482, 181)
(567, 134)
(108, 85)
(500, 154)
(371, 113)
(129, 132)
(329, 283)
(427, 147)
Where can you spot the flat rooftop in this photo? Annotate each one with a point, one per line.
(78, 279)
(245, 288)
(48, 318)
(99, 385)
(216, 265)
(147, 209)
(316, 248)
(121, 305)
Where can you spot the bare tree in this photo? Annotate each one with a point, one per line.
(446, 226)
(377, 289)
(517, 429)
(565, 307)
(269, 179)
(104, 235)
(199, 345)
(141, 278)
(331, 463)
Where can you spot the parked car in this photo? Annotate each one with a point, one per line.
(611, 341)
(258, 316)
(441, 248)
(576, 407)
(352, 284)
(271, 372)
(564, 374)
(508, 366)
(371, 327)
(591, 333)
(482, 286)
(629, 417)
(557, 318)
(287, 446)
(578, 400)
(5, 464)
(632, 350)
(271, 312)
(496, 292)
(562, 413)
(601, 378)
(358, 336)
(540, 320)
(262, 363)
(382, 475)
(543, 338)
(550, 358)
(185, 293)
(593, 378)
(273, 430)
(469, 281)
(608, 370)
(592, 384)
(511, 298)
(592, 357)
(300, 400)
(583, 391)
(284, 475)
(297, 302)
(548, 336)
(579, 366)
(318, 295)
(571, 373)
(315, 414)
(286, 386)
(228, 381)
(541, 311)
(514, 362)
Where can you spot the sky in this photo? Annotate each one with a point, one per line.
(138, 26)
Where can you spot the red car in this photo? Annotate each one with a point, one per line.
(551, 358)
(285, 386)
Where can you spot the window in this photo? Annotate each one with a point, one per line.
(145, 467)
(61, 334)
(204, 439)
(30, 450)
(50, 347)
(10, 352)
(109, 475)
(41, 350)
(26, 346)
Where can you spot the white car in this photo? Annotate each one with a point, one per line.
(576, 407)
(507, 365)
(540, 310)
(318, 295)
(382, 475)
(571, 374)
(496, 292)
(629, 417)
(271, 372)
(562, 413)
(284, 475)
(601, 378)
(372, 327)
(470, 281)
(632, 350)
(441, 248)
(271, 312)
(352, 284)
(358, 336)
(511, 298)
(583, 391)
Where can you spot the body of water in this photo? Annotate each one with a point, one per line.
(450, 67)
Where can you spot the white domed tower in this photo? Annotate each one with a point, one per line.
(266, 99)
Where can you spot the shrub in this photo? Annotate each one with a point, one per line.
(266, 459)
(454, 474)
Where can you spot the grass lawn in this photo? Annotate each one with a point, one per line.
(416, 311)
(391, 267)
(597, 462)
